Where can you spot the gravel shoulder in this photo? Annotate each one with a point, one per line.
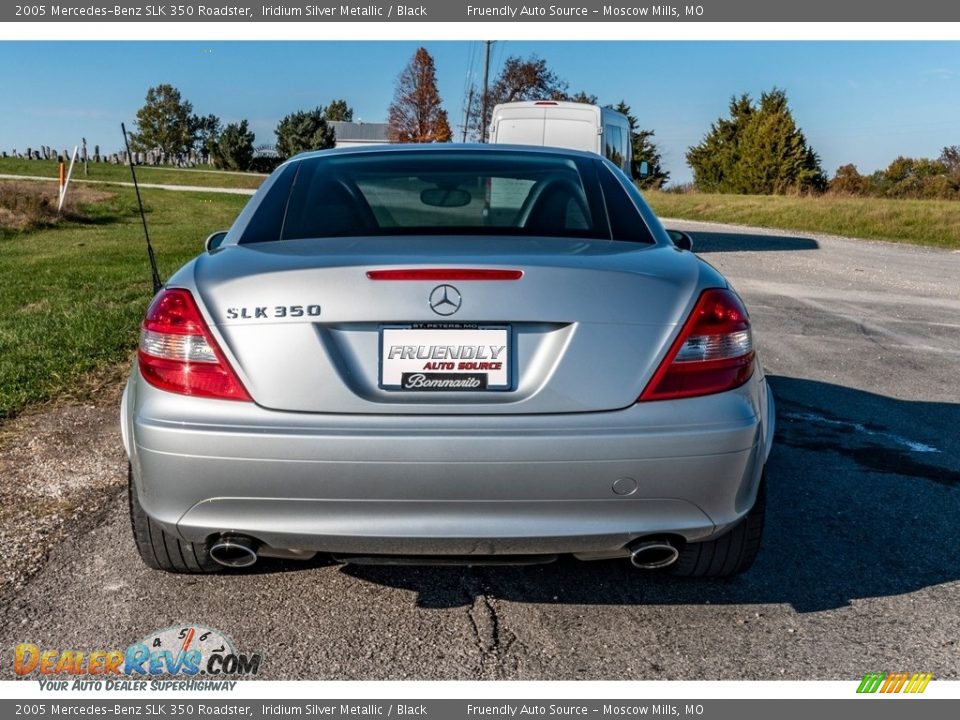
(60, 468)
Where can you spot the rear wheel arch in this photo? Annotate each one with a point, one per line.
(160, 549)
(730, 554)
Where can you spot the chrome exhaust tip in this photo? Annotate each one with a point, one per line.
(653, 554)
(234, 551)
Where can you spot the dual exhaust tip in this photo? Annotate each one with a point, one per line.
(237, 551)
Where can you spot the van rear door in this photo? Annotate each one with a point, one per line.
(577, 128)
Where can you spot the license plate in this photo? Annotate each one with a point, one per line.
(445, 359)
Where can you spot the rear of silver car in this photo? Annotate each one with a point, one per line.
(446, 396)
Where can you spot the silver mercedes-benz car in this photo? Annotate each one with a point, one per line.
(448, 354)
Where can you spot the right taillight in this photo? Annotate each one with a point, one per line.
(179, 354)
(713, 353)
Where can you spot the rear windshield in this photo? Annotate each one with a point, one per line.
(449, 193)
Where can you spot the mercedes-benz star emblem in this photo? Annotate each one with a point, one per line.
(445, 300)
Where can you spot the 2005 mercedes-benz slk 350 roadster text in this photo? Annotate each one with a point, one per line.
(448, 353)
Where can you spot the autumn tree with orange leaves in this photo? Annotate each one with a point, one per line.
(416, 114)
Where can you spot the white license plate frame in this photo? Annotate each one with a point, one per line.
(481, 359)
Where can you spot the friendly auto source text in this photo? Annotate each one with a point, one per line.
(512, 11)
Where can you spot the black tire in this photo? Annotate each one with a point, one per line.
(730, 554)
(161, 550)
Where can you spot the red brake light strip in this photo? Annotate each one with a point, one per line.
(444, 274)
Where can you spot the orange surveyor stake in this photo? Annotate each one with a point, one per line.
(63, 175)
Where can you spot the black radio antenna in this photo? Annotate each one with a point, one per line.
(153, 260)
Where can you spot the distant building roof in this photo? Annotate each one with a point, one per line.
(359, 131)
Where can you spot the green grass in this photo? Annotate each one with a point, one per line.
(72, 297)
(121, 173)
(921, 222)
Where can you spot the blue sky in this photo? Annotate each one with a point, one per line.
(860, 101)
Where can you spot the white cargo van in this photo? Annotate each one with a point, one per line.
(564, 124)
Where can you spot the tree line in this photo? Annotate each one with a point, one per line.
(167, 123)
(756, 149)
(915, 178)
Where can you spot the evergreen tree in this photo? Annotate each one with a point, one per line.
(718, 153)
(581, 97)
(416, 114)
(644, 149)
(233, 149)
(302, 131)
(338, 110)
(758, 150)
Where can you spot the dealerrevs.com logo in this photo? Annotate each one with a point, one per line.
(178, 651)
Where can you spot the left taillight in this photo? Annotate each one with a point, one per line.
(178, 353)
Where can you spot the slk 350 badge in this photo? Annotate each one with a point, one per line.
(269, 312)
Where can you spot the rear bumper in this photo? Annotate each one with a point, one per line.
(456, 485)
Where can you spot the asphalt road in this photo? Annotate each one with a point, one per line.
(860, 569)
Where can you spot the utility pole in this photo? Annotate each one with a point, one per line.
(466, 116)
(486, 82)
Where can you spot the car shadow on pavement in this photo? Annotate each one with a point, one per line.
(863, 502)
(710, 242)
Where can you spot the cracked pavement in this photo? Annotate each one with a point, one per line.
(858, 572)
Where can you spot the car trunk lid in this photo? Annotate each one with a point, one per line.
(579, 325)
